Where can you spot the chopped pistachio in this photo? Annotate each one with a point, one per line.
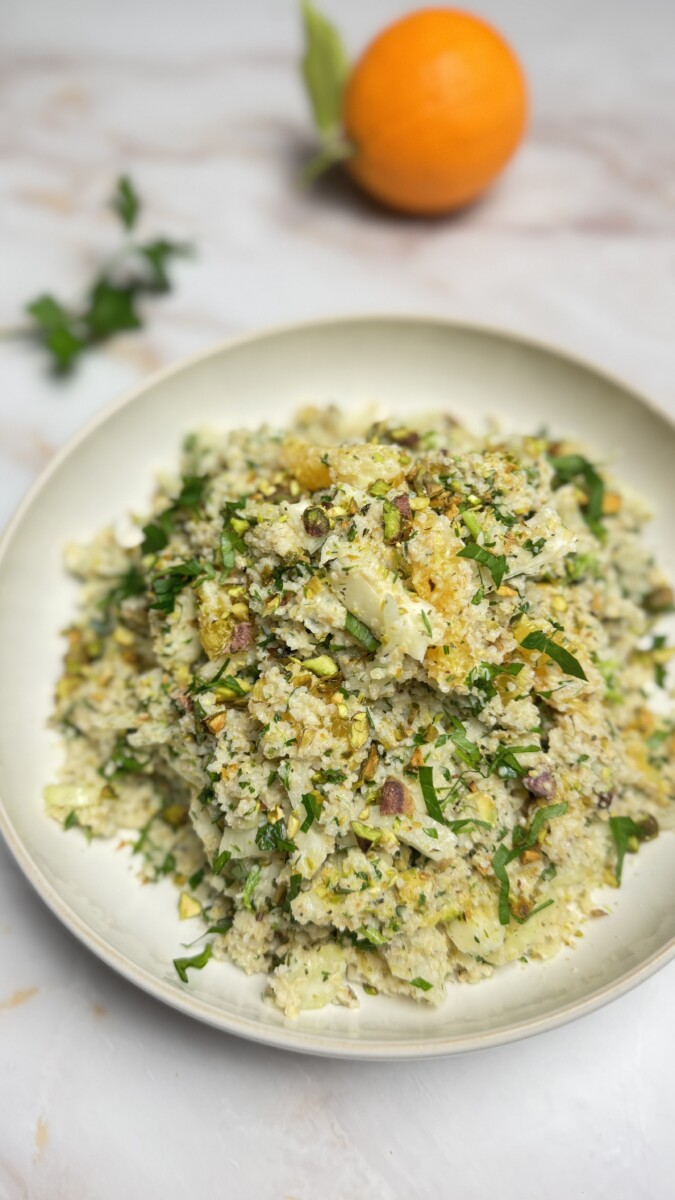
(369, 765)
(216, 722)
(611, 503)
(316, 521)
(323, 666)
(366, 832)
(379, 488)
(358, 730)
(392, 522)
(188, 907)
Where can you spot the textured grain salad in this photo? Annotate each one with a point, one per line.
(380, 701)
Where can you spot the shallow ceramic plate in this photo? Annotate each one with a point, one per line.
(402, 366)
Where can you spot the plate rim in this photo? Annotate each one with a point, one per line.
(289, 1038)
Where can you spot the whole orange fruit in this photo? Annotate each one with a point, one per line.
(435, 107)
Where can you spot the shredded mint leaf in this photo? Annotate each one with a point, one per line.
(220, 861)
(538, 909)
(422, 984)
(538, 640)
(466, 750)
(362, 633)
(183, 965)
(131, 583)
(495, 563)
(125, 202)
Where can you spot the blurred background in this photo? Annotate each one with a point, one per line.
(201, 103)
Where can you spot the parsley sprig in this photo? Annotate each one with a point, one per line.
(521, 839)
(141, 268)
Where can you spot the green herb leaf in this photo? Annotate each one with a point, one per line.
(362, 633)
(324, 67)
(111, 309)
(481, 678)
(573, 467)
(521, 839)
(433, 806)
(422, 984)
(158, 256)
(252, 881)
(495, 563)
(538, 640)
(169, 584)
(312, 804)
(466, 750)
(71, 819)
(220, 861)
(272, 836)
(183, 965)
(125, 202)
(506, 765)
(627, 834)
(130, 584)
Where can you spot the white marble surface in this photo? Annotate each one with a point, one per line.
(102, 1092)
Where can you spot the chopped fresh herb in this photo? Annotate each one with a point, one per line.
(660, 674)
(422, 984)
(538, 640)
(312, 804)
(433, 805)
(71, 819)
(427, 624)
(195, 879)
(122, 761)
(481, 678)
(627, 835)
(131, 583)
(168, 585)
(67, 331)
(272, 836)
(466, 750)
(521, 839)
(535, 546)
(294, 885)
(183, 965)
(125, 202)
(362, 633)
(251, 883)
(506, 518)
(506, 765)
(478, 595)
(573, 468)
(495, 563)
(220, 861)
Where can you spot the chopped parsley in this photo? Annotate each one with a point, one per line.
(168, 585)
(574, 468)
(251, 883)
(312, 804)
(272, 836)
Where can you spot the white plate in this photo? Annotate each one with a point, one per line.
(402, 365)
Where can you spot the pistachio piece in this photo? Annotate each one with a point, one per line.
(188, 907)
(542, 785)
(369, 765)
(358, 730)
(392, 522)
(402, 503)
(365, 835)
(660, 599)
(316, 522)
(242, 636)
(322, 666)
(395, 798)
(378, 488)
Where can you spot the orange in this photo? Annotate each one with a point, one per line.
(434, 108)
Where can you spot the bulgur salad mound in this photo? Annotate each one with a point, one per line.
(378, 700)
